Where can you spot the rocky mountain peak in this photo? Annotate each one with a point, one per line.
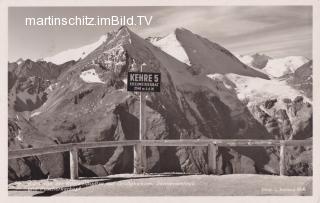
(181, 29)
(204, 56)
(19, 61)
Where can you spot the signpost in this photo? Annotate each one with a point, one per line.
(142, 82)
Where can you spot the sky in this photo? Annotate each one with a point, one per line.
(277, 31)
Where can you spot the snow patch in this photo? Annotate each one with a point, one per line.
(281, 66)
(19, 137)
(52, 87)
(35, 114)
(19, 61)
(246, 59)
(256, 90)
(90, 76)
(220, 78)
(75, 54)
(125, 81)
(172, 46)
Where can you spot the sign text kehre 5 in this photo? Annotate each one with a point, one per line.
(143, 82)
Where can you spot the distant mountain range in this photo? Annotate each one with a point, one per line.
(79, 95)
(296, 71)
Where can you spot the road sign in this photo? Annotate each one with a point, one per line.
(143, 82)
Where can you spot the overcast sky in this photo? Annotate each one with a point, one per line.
(275, 30)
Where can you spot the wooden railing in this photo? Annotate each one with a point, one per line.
(140, 155)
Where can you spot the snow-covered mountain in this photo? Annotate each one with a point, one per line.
(200, 98)
(75, 54)
(275, 67)
(282, 66)
(255, 90)
(294, 71)
(217, 62)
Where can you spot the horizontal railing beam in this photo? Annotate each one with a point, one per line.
(296, 142)
(67, 147)
(165, 143)
(226, 143)
(38, 151)
(175, 143)
(107, 144)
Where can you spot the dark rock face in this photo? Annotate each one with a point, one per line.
(28, 82)
(293, 121)
(188, 107)
(30, 94)
(23, 135)
(299, 161)
(270, 103)
(260, 60)
(301, 79)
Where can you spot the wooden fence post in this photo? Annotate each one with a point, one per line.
(74, 163)
(212, 158)
(282, 159)
(237, 163)
(137, 159)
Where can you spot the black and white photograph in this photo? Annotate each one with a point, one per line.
(146, 101)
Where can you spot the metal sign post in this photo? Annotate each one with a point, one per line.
(143, 127)
(142, 162)
(142, 82)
